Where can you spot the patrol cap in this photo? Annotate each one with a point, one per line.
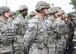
(32, 13)
(12, 12)
(41, 4)
(1, 11)
(71, 15)
(5, 8)
(60, 12)
(65, 15)
(58, 8)
(22, 7)
(53, 9)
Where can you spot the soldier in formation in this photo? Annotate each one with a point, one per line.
(19, 25)
(38, 39)
(47, 30)
(12, 16)
(6, 32)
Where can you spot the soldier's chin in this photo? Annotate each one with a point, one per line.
(46, 14)
(25, 14)
(7, 17)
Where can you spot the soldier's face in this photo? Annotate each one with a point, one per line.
(24, 12)
(45, 11)
(7, 14)
(66, 19)
(56, 15)
(14, 16)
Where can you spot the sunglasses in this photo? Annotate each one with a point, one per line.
(23, 10)
(56, 12)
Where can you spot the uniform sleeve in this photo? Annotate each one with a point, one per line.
(15, 23)
(2, 26)
(0, 29)
(30, 34)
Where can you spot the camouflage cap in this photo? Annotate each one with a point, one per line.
(53, 9)
(32, 13)
(12, 12)
(60, 12)
(23, 7)
(41, 4)
(5, 8)
(71, 15)
(58, 8)
(65, 15)
(1, 11)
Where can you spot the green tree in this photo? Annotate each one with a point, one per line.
(73, 2)
(17, 12)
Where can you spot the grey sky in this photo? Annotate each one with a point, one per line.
(14, 4)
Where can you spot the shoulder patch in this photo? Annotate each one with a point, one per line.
(30, 29)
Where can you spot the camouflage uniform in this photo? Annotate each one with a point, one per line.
(71, 25)
(38, 38)
(4, 49)
(5, 33)
(52, 18)
(31, 15)
(38, 34)
(51, 13)
(19, 24)
(12, 17)
(61, 33)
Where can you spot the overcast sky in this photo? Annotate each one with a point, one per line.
(14, 4)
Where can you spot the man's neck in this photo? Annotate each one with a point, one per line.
(3, 18)
(41, 16)
(23, 16)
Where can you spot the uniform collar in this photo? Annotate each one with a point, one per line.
(3, 19)
(40, 18)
